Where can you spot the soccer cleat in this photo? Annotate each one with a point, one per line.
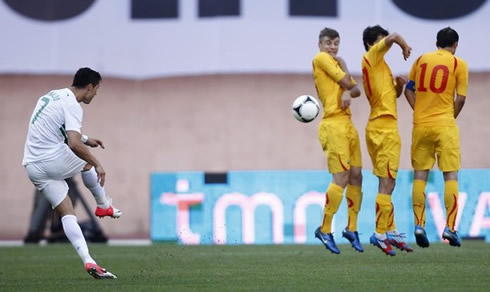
(396, 239)
(98, 273)
(111, 211)
(382, 244)
(452, 237)
(421, 236)
(353, 237)
(327, 240)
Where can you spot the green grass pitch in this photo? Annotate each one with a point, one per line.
(169, 267)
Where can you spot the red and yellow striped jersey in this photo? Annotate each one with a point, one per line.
(378, 82)
(437, 76)
(327, 73)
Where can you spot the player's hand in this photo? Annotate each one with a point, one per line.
(355, 92)
(401, 80)
(100, 175)
(345, 101)
(406, 52)
(94, 142)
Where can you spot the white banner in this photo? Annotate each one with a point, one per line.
(263, 38)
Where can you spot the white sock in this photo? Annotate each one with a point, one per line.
(75, 235)
(89, 178)
(380, 236)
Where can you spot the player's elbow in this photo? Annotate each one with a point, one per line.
(391, 38)
(345, 82)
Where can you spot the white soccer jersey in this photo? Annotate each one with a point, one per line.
(56, 112)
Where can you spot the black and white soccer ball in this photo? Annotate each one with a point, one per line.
(306, 108)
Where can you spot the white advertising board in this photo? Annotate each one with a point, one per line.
(263, 38)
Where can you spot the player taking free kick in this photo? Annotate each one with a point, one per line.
(55, 150)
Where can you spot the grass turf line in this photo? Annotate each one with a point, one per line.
(168, 267)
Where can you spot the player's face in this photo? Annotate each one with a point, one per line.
(91, 93)
(329, 46)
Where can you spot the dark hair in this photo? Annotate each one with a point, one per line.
(86, 76)
(446, 37)
(328, 32)
(371, 34)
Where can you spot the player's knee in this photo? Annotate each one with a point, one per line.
(355, 178)
(386, 186)
(341, 179)
(450, 175)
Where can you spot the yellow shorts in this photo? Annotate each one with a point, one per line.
(384, 146)
(431, 141)
(340, 142)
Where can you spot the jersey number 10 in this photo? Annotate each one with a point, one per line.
(433, 76)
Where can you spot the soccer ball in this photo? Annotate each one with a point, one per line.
(306, 108)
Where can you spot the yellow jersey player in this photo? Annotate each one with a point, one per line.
(338, 138)
(435, 78)
(382, 137)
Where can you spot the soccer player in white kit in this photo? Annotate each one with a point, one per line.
(55, 149)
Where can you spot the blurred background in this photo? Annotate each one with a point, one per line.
(207, 86)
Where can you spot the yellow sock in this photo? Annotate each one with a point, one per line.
(451, 202)
(383, 208)
(391, 219)
(418, 202)
(333, 199)
(354, 199)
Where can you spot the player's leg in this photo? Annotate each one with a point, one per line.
(451, 202)
(449, 161)
(387, 211)
(353, 192)
(104, 204)
(354, 199)
(336, 148)
(376, 142)
(418, 205)
(395, 238)
(56, 193)
(333, 197)
(422, 155)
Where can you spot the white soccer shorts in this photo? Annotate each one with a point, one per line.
(49, 176)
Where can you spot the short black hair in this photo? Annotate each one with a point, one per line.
(86, 76)
(371, 33)
(328, 32)
(446, 37)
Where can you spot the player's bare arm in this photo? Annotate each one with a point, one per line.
(347, 81)
(400, 81)
(458, 104)
(399, 40)
(80, 150)
(410, 96)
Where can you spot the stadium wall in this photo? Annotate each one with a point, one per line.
(208, 123)
(207, 85)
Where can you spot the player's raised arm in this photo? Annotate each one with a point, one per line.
(399, 40)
